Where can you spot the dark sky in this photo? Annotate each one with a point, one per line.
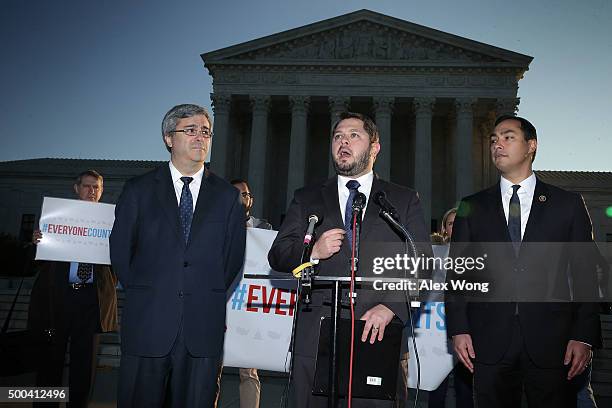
(93, 79)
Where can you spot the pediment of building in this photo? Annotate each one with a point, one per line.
(364, 38)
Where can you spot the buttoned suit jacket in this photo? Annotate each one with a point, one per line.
(553, 248)
(285, 253)
(169, 283)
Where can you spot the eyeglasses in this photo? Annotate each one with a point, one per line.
(193, 131)
(245, 195)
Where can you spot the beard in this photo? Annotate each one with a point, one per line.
(356, 167)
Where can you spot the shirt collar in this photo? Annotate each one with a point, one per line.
(527, 185)
(176, 174)
(364, 181)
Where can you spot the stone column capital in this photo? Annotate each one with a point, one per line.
(384, 105)
(338, 103)
(299, 103)
(507, 106)
(220, 102)
(465, 106)
(423, 105)
(260, 103)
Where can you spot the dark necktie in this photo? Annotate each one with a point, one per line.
(352, 185)
(84, 271)
(514, 219)
(186, 207)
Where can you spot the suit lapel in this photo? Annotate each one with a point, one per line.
(329, 191)
(206, 198)
(167, 199)
(371, 214)
(498, 218)
(537, 208)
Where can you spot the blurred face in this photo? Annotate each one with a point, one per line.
(90, 189)
(351, 149)
(510, 152)
(448, 225)
(189, 149)
(245, 196)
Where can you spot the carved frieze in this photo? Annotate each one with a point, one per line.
(365, 41)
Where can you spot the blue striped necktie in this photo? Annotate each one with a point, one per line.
(186, 207)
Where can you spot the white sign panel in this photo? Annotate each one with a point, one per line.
(75, 231)
(259, 312)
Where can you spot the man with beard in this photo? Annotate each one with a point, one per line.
(354, 146)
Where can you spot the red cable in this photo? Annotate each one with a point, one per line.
(352, 292)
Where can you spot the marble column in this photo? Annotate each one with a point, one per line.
(297, 144)
(337, 105)
(423, 110)
(464, 173)
(383, 108)
(220, 144)
(260, 105)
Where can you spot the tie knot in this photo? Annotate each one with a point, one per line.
(186, 180)
(353, 185)
(515, 188)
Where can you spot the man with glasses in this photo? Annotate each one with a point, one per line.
(177, 244)
(247, 200)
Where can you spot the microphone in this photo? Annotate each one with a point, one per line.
(313, 220)
(306, 278)
(359, 202)
(380, 198)
(388, 212)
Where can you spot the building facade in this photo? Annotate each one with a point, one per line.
(433, 95)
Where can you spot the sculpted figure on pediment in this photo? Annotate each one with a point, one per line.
(380, 46)
(366, 42)
(346, 45)
(327, 49)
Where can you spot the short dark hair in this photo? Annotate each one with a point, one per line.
(529, 131)
(91, 173)
(238, 181)
(368, 124)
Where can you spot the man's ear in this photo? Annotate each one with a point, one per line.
(168, 140)
(533, 145)
(375, 148)
(76, 188)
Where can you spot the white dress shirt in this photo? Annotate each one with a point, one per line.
(194, 186)
(365, 187)
(525, 195)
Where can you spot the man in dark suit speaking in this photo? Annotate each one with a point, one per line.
(354, 146)
(510, 344)
(177, 244)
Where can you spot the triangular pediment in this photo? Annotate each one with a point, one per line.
(366, 37)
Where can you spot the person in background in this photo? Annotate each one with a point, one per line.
(462, 378)
(76, 301)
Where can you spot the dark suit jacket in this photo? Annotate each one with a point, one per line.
(548, 255)
(168, 283)
(48, 296)
(286, 250)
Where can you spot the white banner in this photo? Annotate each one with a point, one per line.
(260, 315)
(259, 312)
(75, 231)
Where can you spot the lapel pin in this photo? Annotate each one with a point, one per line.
(542, 198)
